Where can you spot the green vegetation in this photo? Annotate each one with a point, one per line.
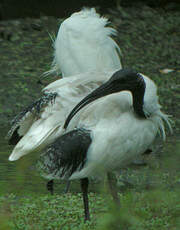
(140, 210)
(152, 204)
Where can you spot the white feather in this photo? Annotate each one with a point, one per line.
(47, 126)
(118, 136)
(83, 44)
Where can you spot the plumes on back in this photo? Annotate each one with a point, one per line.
(40, 123)
(84, 44)
(66, 155)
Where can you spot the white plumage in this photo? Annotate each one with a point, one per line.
(83, 44)
(114, 130)
(118, 134)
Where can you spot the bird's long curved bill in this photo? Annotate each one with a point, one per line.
(104, 90)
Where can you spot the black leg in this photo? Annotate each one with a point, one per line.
(67, 186)
(50, 186)
(147, 152)
(84, 188)
(113, 188)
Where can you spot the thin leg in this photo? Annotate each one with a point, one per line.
(84, 188)
(67, 186)
(113, 188)
(50, 186)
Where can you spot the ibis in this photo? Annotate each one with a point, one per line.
(106, 131)
(82, 39)
(84, 44)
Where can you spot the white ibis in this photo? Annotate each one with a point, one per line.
(82, 37)
(109, 133)
(83, 44)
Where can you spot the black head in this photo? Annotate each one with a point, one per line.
(124, 79)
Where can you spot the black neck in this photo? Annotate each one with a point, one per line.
(121, 80)
(138, 100)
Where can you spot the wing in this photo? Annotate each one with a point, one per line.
(66, 155)
(84, 44)
(40, 124)
(22, 122)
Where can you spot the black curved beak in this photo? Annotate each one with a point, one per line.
(123, 79)
(104, 90)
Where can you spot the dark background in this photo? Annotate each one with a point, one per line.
(10, 9)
